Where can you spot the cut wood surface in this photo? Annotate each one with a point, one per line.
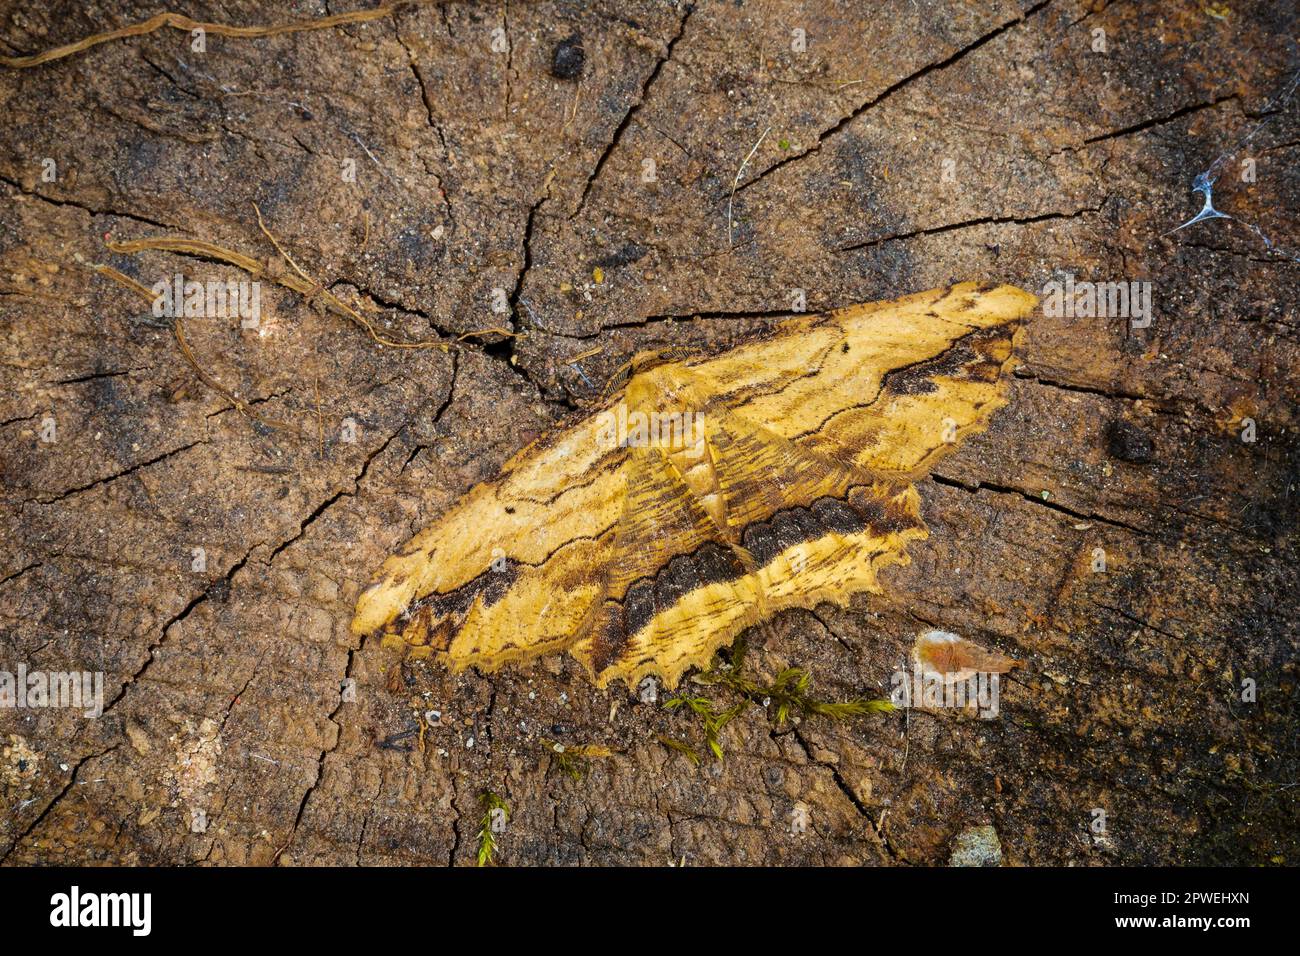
(1125, 529)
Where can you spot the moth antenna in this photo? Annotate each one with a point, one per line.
(616, 380)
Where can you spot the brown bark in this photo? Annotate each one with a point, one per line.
(479, 171)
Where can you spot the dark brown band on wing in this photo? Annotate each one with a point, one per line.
(710, 563)
(492, 585)
(971, 357)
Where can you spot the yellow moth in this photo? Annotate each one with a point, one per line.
(708, 494)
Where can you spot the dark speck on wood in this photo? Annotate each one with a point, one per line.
(569, 58)
(1128, 442)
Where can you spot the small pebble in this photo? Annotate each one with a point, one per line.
(976, 846)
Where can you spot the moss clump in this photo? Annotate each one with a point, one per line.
(788, 694)
(487, 838)
(709, 716)
(574, 760)
(678, 746)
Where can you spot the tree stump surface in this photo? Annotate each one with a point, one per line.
(596, 205)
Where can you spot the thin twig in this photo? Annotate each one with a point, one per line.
(180, 22)
(301, 283)
(188, 353)
(179, 331)
(736, 182)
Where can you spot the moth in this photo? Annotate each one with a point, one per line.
(707, 495)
